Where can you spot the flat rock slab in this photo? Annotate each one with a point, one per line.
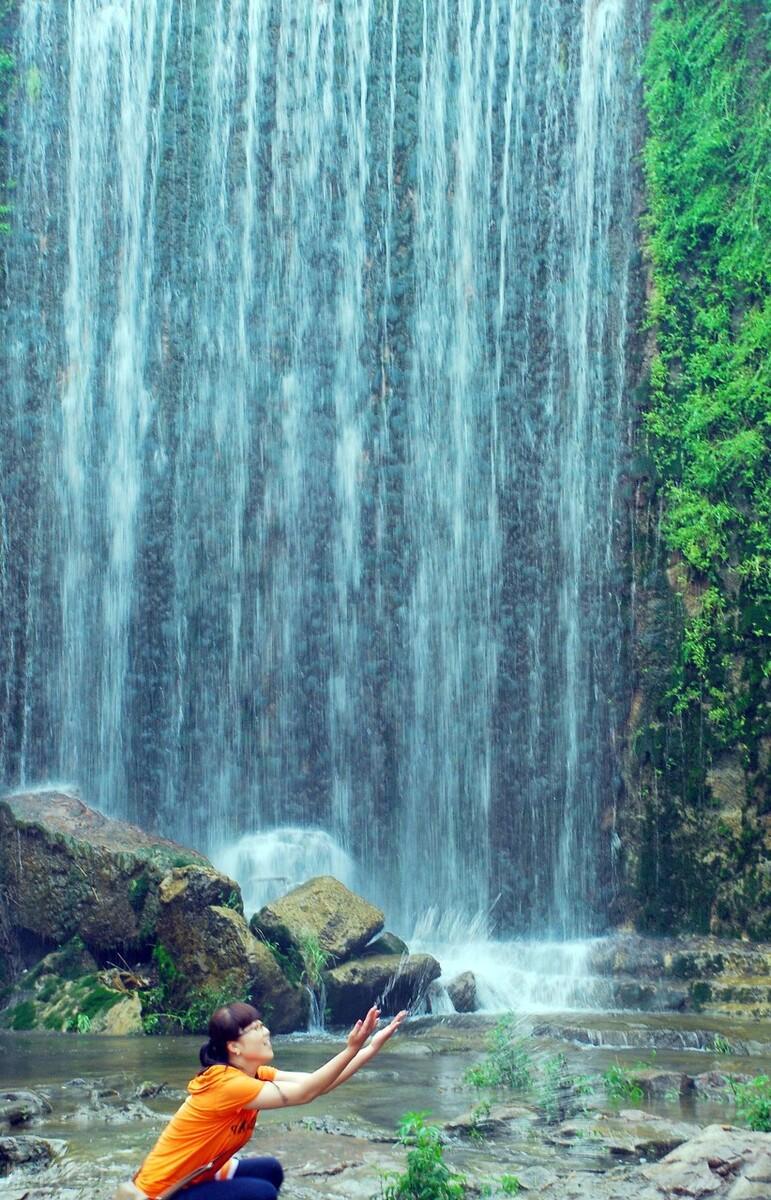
(630, 1133)
(721, 1162)
(497, 1121)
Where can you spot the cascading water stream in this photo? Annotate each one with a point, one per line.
(317, 375)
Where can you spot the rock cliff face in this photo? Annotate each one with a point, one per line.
(695, 827)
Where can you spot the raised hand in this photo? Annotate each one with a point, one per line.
(381, 1037)
(362, 1029)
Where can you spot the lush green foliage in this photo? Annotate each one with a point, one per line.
(753, 1103)
(508, 1062)
(707, 164)
(620, 1086)
(21, 1016)
(428, 1177)
(708, 168)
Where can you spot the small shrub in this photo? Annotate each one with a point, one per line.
(22, 1016)
(508, 1063)
(479, 1115)
(507, 1185)
(620, 1086)
(559, 1091)
(753, 1103)
(721, 1045)
(160, 1015)
(428, 1177)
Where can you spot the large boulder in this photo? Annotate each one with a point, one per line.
(324, 911)
(391, 981)
(213, 954)
(65, 869)
(31, 1153)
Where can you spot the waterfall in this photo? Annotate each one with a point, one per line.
(317, 411)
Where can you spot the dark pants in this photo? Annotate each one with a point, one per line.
(255, 1179)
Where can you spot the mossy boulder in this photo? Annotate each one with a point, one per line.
(65, 869)
(213, 956)
(391, 981)
(324, 911)
(65, 992)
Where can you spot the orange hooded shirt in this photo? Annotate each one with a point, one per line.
(210, 1126)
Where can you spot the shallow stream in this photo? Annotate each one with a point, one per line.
(338, 1145)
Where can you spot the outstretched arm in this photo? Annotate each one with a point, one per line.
(280, 1094)
(367, 1053)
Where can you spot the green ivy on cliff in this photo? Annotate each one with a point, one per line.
(708, 425)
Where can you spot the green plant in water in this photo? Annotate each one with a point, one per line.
(753, 1103)
(480, 1113)
(509, 1185)
(619, 1084)
(508, 1063)
(721, 1045)
(559, 1090)
(315, 959)
(427, 1177)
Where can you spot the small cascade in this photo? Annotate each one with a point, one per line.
(317, 1000)
(528, 977)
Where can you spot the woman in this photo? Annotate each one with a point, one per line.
(196, 1150)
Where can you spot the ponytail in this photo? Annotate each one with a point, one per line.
(225, 1026)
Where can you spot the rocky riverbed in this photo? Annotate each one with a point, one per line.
(80, 1111)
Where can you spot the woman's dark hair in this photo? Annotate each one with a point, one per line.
(225, 1026)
